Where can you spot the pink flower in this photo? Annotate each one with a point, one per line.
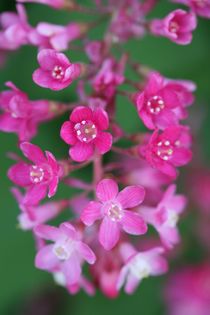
(66, 254)
(162, 102)
(57, 4)
(168, 150)
(15, 29)
(140, 265)
(112, 210)
(55, 72)
(85, 133)
(165, 216)
(37, 178)
(200, 7)
(57, 37)
(177, 26)
(188, 292)
(20, 115)
(32, 216)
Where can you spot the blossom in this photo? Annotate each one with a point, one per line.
(162, 103)
(112, 210)
(84, 132)
(38, 177)
(177, 26)
(15, 29)
(167, 150)
(55, 72)
(200, 7)
(66, 254)
(165, 216)
(20, 115)
(141, 265)
(57, 37)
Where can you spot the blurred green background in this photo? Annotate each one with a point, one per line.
(19, 280)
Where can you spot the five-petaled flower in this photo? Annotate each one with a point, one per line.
(112, 210)
(84, 132)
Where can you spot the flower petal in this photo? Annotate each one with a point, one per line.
(81, 152)
(34, 194)
(67, 133)
(91, 213)
(109, 233)
(103, 142)
(20, 174)
(32, 152)
(107, 189)
(86, 252)
(81, 113)
(131, 196)
(45, 258)
(72, 269)
(47, 232)
(101, 119)
(133, 223)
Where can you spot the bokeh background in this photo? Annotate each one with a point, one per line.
(25, 290)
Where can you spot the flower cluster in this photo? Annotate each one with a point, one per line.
(131, 190)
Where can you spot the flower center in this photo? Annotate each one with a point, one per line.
(115, 212)
(36, 174)
(140, 268)
(86, 131)
(165, 150)
(173, 27)
(155, 104)
(172, 219)
(61, 252)
(58, 72)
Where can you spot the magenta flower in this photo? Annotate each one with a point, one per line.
(20, 115)
(200, 7)
(168, 150)
(177, 26)
(162, 102)
(141, 265)
(37, 178)
(55, 72)
(112, 210)
(66, 254)
(85, 133)
(165, 216)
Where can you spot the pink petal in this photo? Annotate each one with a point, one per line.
(45, 258)
(20, 174)
(52, 162)
(44, 79)
(53, 185)
(48, 232)
(91, 213)
(133, 223)
(68, 229)
(181, 156)
(67, 133)
(155, 84)
(34, 194)
(107, 189)
(81, 113)
(49, 58)
(32, 152)
(101, 119)
(103, 142)
(81, 152)
(131, 283)
(72, 269)
(131, 196)
(86, 252)
(9, 124)
(109, 233)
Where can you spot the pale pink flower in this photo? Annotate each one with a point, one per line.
(38, 177)
(55, 72)
(56, 4)
(66, 254)
(112, 210)
(140, 265)
(177, 26)
(20, 115)
(188, 291)
(200, 7)
(168, 150)
(165, 216)
(84, 132)
(32, 216)
(162, 103)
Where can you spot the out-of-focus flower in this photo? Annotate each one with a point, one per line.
(177, 26)
(37, 178)
(55, 72)
(85, 133)
(200, 7)
(112, 210)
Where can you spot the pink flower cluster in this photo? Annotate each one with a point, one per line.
(131, 188)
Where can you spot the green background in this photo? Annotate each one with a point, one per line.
(20, 282)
